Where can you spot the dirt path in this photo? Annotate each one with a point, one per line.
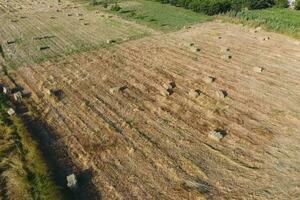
(142, 145)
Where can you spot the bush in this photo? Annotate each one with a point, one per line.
(260, 4)
(212, 7)
(297, 5)
(115, 7)
(281, 3)
(95, 3)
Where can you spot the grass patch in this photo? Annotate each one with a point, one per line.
(30, 174)
(281, 20)
(159, 16)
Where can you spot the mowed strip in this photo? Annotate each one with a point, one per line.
(141, 143)
(28, 38)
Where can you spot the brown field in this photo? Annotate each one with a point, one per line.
(140, 144)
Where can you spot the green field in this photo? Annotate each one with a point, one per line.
(166, 17)
(282, 20)
(159, 16)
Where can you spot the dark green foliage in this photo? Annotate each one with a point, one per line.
(281, 3)
(260, 4)
(95, 2)
(297, 5)
(280, 20)
(115, 7)
(212, 7)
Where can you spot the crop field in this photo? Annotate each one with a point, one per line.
(52, 30)
(148, 102)
(114, 116)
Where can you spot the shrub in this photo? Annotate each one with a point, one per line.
(281, 3)
(260, 4)
(212, 7)
(95, 3)
(297, 4)
(115, 7)
(237, 5)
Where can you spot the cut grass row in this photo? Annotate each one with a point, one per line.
(24, 173)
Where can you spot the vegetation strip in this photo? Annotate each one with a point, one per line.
(20, 155)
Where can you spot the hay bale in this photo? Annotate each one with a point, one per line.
(226, 56)
(253, 31)
(69, 14)
(225, 49)
(57, 94)
(44, 48)
(195, 49)
(14, 20)
(5, 90)
(221, 94)
(110, 41)
(11, 42)
(194, 93)
(118, 89)
(17, 96)
(217, 134)
(169, 85)
(258, 28)
(167, 92)
(47, 91)
(265, 38)
(72, 181)
(258, 69)
(86, 23)
(209, 79)
(11, 112)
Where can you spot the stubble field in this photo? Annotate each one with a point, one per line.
(138, 114)
(140, 143)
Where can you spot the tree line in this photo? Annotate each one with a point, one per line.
(212, 7)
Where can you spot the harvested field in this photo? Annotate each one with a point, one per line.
(140, 144)
(58, 27)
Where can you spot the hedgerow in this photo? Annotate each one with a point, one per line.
(212, 7)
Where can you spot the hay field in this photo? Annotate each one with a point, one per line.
(143, 144)
(33, 31)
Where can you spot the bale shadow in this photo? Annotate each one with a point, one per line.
(59, 161)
